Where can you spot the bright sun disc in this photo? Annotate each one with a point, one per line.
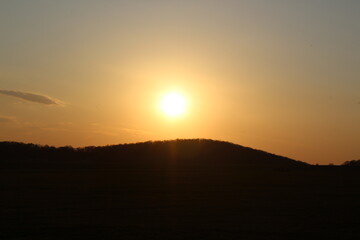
(173, 104)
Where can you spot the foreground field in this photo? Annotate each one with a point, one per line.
(174, 203)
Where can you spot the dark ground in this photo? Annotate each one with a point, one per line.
(180, 203)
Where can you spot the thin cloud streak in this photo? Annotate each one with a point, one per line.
(4, 119)
(31, 97)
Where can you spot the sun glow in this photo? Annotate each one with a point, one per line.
(173, 104)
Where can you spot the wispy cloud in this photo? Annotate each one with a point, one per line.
(98, 128)
(136, 132)
(5, 119)
(31, 97)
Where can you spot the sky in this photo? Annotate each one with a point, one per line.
(277, 75)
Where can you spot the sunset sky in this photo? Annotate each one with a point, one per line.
(280, 76)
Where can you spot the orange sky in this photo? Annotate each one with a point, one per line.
(273, 75)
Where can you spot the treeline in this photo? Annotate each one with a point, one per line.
(352, 163)
(180, 152)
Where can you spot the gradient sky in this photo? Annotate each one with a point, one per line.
(281, 76)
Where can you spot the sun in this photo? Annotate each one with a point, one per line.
(173, 104)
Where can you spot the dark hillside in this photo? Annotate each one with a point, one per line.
(176, 153)
(182, 189)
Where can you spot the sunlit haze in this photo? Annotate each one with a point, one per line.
(280, 76)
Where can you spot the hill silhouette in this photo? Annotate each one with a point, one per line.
(181, 153)
(179, 189)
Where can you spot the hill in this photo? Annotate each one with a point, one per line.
(175, 153)
(180, 189)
